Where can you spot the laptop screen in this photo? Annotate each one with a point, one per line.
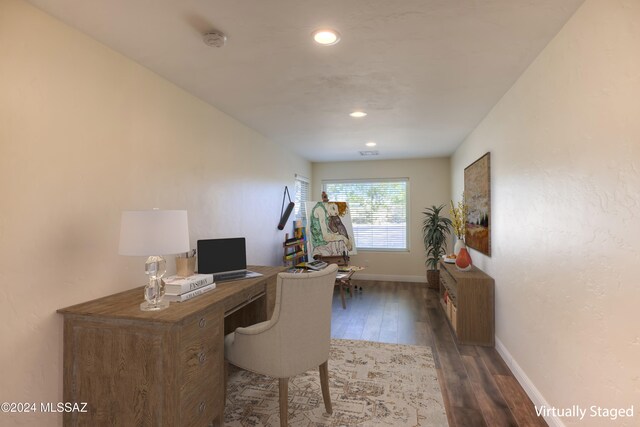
(221, 255)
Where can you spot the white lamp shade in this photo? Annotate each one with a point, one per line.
(154, 232)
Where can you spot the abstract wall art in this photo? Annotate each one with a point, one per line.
(477, 196)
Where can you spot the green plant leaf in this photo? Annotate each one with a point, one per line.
(435, 230)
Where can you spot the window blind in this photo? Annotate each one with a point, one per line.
(301, 196)
(378, 211)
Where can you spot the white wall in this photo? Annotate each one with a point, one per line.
(84, 134)
(429, 184)
(565, 174)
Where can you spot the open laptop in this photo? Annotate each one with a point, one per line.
(226, 259)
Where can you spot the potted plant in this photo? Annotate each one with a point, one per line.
(435, 229)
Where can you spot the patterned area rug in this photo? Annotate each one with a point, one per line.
(371, 384)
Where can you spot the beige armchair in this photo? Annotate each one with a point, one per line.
(295, 339)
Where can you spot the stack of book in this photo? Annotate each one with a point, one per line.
(180, 289)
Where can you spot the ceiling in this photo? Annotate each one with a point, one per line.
(425, 71)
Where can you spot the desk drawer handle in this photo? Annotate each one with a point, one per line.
(202, 357)
(201, 407)
(203, 322)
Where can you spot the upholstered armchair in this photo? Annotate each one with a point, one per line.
(295, 339)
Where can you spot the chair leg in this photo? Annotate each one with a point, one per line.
(344, 303)
(324, 384)
(284, 401)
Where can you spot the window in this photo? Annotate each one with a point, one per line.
(301, 195)
(378, 210)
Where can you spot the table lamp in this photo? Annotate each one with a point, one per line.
(154, 233)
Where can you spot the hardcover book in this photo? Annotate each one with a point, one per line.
(175, 285)
(188, 295)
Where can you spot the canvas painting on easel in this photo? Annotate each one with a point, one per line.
(329, 229)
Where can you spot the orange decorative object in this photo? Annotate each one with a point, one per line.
(463, 260)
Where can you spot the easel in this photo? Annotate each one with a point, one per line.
(343, 280)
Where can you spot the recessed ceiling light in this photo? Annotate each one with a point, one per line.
(326, 36)
(370, 144)
(358, 114)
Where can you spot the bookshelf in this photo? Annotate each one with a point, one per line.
(295, 248)
(467, 299)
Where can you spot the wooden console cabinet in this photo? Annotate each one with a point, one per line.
(165, 368)
(467, 298)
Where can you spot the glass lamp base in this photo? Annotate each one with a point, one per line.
(154, 291)
(160, 305)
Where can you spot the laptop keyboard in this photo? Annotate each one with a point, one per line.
(228, 276)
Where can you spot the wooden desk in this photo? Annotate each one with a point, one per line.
(165, 368)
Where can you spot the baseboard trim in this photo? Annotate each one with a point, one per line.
(528, 386)
(390, 278)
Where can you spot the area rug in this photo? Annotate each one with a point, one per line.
(371, 384)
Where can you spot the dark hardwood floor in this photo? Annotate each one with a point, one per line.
(477, 386)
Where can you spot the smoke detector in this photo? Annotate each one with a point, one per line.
(214, 39)
(369, 153)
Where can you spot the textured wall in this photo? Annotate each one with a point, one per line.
(429, 183)
(565, 153)
(84, 134)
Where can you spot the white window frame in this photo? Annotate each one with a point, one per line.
(378, 180)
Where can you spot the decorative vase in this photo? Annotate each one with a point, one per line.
(463, 260)
(459, 245)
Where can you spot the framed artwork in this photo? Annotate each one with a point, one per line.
(329, 229)
(477, 196)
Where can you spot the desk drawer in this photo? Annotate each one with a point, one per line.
(205, 406)
(199, 339)
(201, 396)
(200, 359)
(202, 329)
(201, 366)
(243, 297)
